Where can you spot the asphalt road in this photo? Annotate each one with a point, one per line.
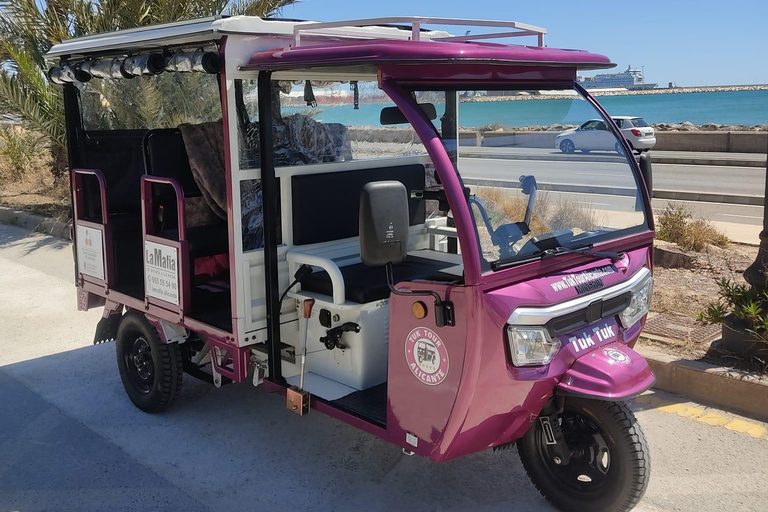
(606, 171)
(71, 440)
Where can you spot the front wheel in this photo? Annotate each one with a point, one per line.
(609, 467)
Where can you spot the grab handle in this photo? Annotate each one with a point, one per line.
(146, 201)
(79, 203)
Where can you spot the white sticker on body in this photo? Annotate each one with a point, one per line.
(161, 272)
(90, 252)
(411, 439)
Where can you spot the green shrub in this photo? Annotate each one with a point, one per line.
(747, 304)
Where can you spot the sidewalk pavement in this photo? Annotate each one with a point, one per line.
(739, 233)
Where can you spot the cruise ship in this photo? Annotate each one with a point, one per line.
(631, 79)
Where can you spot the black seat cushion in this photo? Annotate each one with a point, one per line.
(367, 284)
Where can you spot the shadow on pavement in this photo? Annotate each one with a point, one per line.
(28, 241)
(69, 434)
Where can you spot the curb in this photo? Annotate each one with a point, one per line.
(655, 159)
(675, 160)
(36, 223)
(721, 387)
(679, 195)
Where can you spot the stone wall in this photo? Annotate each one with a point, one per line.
(726, 142)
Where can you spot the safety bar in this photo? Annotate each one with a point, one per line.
(416, 22)
(146, 201)
(77, 181)
(337, 280)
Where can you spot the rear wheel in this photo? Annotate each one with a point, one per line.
(151, 370)
(609, 467)
(567, 146)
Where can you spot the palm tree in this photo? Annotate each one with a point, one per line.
(28, 29)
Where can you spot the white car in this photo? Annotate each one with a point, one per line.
(594, 135)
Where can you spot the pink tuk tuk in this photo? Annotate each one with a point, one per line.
(370, 218)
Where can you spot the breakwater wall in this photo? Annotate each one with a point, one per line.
(714, 141)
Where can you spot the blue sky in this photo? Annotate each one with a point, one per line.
(688, 42)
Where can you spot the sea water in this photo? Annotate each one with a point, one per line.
(728, 107)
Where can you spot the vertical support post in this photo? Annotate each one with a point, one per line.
(270, 197)
(416, 31)
(71, 123)
(450, 131)
(449, 124)
(755, 275)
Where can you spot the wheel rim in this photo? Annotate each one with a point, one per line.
(567, 146)
(139, 363)
(591, 463)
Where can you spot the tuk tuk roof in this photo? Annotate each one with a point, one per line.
(363, 41)
(370, 52)
(208, 29)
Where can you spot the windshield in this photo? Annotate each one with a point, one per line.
(543, 169)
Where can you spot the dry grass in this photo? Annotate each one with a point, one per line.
(26, 181)
(509, 205)
(573, 214)
(676, 224)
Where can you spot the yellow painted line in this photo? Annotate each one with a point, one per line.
(748, 428)
(704, 415)
(714, 419)
(683, 410)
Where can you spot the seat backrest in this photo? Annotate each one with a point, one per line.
(326, 205)
(165, 155)
(118, 155)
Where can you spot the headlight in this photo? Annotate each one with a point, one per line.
(639, 305)
(530, 346)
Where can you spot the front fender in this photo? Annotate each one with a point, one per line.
(611, 372)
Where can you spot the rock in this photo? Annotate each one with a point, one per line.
(669, 255)
(713, 249)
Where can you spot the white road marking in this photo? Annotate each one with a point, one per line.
(742, 216)
(602, 174)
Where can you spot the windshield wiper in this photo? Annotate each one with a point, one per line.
(555, 251)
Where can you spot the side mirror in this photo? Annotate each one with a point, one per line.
(383, 223)
(528, 184)
(645, 168)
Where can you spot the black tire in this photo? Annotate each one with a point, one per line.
(586, 151)
(591, 428)
(567, 146)
(151, 370)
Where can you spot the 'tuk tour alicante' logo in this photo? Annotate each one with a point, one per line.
(426, 356)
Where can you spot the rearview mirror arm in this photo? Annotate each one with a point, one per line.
(443, 308)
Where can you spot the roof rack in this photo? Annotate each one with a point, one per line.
(416, 22)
